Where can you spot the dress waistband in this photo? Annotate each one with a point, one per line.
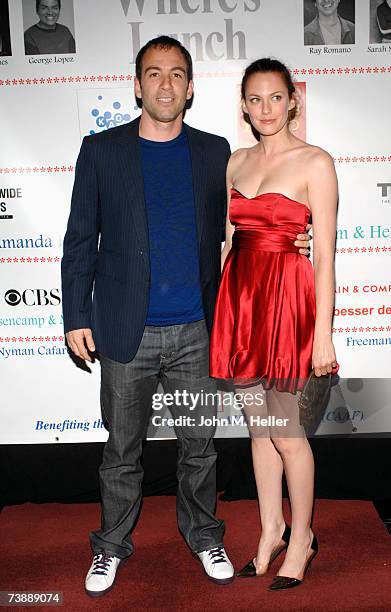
(269, 239)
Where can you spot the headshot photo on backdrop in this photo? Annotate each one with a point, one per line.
(329, 22)
(5, 36)
(148, 211)
(380, 21)
(43, 32)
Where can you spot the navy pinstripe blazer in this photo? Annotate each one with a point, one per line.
(105, 267)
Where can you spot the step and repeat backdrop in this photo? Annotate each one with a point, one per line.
(76, 78)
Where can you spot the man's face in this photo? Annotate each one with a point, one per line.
(327, 7)
(164, 87)
(48, 12)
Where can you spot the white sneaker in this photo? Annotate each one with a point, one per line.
(101, 575)
(217, 566)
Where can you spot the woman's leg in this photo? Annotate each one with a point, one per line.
(268, 468)
(298, 462)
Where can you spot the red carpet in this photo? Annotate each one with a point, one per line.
(44, 547)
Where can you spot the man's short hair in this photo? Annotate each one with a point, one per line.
(38, 2)
(164, 42)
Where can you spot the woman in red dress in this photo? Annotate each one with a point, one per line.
(273, 314)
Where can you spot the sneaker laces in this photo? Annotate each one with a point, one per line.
(102, 563)
(217, 554)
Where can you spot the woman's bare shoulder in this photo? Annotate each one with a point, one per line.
(237, 159)
(239, 155)
(319, 169)
(315, 155)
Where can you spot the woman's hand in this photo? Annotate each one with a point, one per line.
(323, 356)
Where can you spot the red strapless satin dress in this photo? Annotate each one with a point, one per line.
(265, 311)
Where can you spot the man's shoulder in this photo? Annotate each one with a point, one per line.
(112, 134)
(348, 25)
(206, 137)
(62, 28)
(31, 30)
(312, 27)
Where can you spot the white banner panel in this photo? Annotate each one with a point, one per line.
(54, 93)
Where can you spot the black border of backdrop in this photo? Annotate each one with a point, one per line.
(5, 28)
(346, 468)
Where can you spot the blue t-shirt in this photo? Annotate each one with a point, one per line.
(175, 293)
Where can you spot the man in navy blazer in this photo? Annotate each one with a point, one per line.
(108, 201)
(140, 273)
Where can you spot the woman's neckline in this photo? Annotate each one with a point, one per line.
(278, 193)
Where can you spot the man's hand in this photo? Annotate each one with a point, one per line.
(303, 241)
(79, 340)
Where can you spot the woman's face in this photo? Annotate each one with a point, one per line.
(48, 12)
(267, 102)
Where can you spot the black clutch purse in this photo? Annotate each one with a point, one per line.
(313, 401)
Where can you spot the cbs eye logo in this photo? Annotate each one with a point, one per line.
(33, 297)
(13, 297)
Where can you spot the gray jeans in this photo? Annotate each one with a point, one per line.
(178, 357)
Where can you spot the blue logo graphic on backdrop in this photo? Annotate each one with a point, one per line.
(109, 119)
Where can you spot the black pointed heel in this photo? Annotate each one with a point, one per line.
(250, 571)
(286, 582)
